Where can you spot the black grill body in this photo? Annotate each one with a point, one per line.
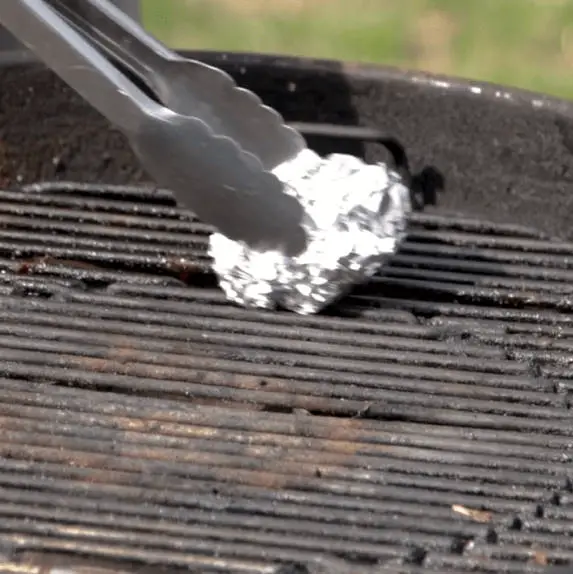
(422, 424)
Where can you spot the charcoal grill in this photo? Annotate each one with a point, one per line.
(422, 424)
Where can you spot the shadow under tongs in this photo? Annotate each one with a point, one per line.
(424, 185)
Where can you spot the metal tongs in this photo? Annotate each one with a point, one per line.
(193, 129)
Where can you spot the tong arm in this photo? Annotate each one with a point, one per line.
(186, 86)
(80, 64)
(209, 171)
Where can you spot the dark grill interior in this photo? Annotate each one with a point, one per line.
(421, 424)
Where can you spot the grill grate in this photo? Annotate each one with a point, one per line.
(422, 424)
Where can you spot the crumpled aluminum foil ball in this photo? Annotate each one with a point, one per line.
(355, 217)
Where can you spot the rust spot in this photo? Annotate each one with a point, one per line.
(540, 558)
(482, 516)
(38, 263)
(184, 268)
(37, 562)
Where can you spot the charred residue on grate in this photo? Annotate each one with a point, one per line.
(422, 423)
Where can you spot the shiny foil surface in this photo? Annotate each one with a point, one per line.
(355, 217)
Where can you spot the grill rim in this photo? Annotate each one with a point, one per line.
(363, 89)
(527, 128)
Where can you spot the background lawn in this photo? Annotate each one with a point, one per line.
(527, 43)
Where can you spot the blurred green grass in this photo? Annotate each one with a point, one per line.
(526, 43)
